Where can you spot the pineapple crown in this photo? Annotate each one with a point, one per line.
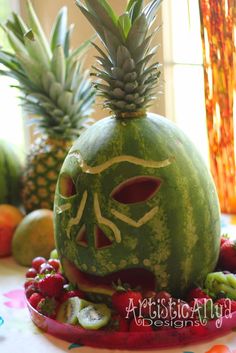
(56, 88)
(129, 78)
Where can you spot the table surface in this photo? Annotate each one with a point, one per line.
(19, 334)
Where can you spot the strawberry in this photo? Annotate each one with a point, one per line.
(226, 305)
(51, 285)
(163, 297)
(144, 327)
(47, 307)
(196, 293)
(227, 259)
(224, 238)
(34, 299)
(197, 302)
(71, 294)
(122, 299)
(183, 309)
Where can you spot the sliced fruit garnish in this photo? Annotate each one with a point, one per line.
(68, 311)
(94, 316)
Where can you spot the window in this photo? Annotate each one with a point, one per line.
(10, 114)
(183, 70)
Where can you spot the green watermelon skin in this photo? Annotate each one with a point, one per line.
(180, 244)
(10, 175)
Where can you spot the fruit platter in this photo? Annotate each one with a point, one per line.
(128, 202)
(133, 319)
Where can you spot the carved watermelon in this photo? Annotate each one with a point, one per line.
(10, 174)
(135, 202)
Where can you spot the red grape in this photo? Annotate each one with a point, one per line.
(37, 262)
(54, 263)
(31, 273)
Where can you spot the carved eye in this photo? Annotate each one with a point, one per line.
(101, 240)
(138, 189)
(81, 238)
(66, 186)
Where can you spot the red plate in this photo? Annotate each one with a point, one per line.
(164, 337)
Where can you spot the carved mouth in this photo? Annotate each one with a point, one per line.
(135, 277)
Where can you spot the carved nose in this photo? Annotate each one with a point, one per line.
(81, 238)
(101, 239)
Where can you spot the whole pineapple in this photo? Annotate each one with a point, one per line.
(56, 90)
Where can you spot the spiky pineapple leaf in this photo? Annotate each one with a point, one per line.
(10, 62)
(97, 26)
(112, 44)
(141, 65)
(59, 30)
(101, 9)
(67, 40)
(134, 9)
(106, 66)
(58, 65)
(37, 28)
(21, 25)
(14, 75)
(141, 50)
(122, 55)
(17, 26)
(104, 55)
(102, 74)
(16, 43)
(150, 10)
(124, 24)
(35, 49)
(71, 77)
(137, 33)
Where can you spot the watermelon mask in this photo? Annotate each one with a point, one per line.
(119, 198)
(123, 217)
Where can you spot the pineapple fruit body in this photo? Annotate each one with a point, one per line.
(43, 164)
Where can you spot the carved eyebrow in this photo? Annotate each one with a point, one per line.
(149, 215)
(125, 158)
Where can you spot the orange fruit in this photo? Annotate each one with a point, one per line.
(10, 217)
(34, 237)
(219, 348)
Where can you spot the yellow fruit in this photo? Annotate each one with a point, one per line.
(34, 237)
(10, 217)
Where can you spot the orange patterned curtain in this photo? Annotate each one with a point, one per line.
(218, 29)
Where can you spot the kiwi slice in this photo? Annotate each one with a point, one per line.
(68, 311)
(94, 316)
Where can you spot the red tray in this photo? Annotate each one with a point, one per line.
(161, 338)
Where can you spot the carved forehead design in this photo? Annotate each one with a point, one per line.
(119, 159)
